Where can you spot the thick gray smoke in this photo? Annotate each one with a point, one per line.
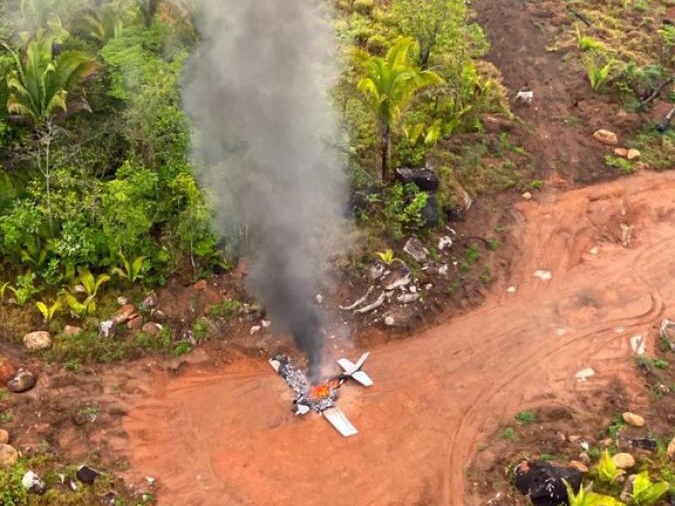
(257, 91)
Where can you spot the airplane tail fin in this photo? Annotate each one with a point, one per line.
(355, 371)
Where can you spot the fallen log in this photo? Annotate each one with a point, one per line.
(365, 309)
(656, 92)
(665, 122)
(580, 16)
(357, 302)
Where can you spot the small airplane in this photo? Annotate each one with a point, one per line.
(322, 396)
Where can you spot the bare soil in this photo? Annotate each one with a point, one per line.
(557, 128)
(225, 434)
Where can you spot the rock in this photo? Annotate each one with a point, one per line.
(122, 300)
(408, 298)
(633, 154)
(444, 242)
(431, 213)
(544, 482)
(543, 274)
(397, 279)
(151, 328)
(8, 455)
(593, 250)
(584, 374)
(389, 321)
(511, 289)
(4, 437)
(110, 498)
(255, 329)
(626, 234)
(33, 483)
(200, 285)
(443, 269)
(585, 458)
(376, 270)
(158, 314)
(7, 369)
(38, 340)
(87, 475)
(671, 449)
(496, 124)
(524, 96)
(624, 460)
(123, 314)
(265, 323)
(149, 302)
(621, 152)
(71, 330)
(633, 419)
(637, 344)
(606, 443)
(319, 298)
(644, 443)
(425, 179)
(527, 196)
(667, 332)
(606, 137)
(22, 381)
(416, 249)
(106, 328)
(135, 323)
(627, 492)
(579, 466)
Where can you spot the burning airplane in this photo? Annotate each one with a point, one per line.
(321, 397)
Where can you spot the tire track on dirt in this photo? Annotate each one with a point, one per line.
(437, 394)
(462, 443)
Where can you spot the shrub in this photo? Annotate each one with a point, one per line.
(403, 209)
(364, 7)
(377, 44)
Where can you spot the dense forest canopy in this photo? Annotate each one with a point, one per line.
(95, 165)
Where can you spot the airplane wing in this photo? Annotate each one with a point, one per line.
(338, 420)
(275, 364)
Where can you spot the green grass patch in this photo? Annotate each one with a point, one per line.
(509, 433)
(526, 417)
(623, 165)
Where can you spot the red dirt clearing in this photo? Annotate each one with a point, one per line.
(228, 437)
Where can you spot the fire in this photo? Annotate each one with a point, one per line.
(324, 390)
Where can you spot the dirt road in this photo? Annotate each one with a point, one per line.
(229, 438)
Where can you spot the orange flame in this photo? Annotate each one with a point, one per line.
(324, 390)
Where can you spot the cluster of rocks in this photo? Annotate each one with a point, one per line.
(609, 138)
(393, 281)
(543, 482)
(132, 317)
(426, 179)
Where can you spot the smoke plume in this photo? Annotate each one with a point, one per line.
(257, 91)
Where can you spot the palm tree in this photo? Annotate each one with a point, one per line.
(148, 9)
(389, 83)
(102, 24)
(39, 87)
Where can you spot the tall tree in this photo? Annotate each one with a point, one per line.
(432, 23)
(389, 83)
(39, 86)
